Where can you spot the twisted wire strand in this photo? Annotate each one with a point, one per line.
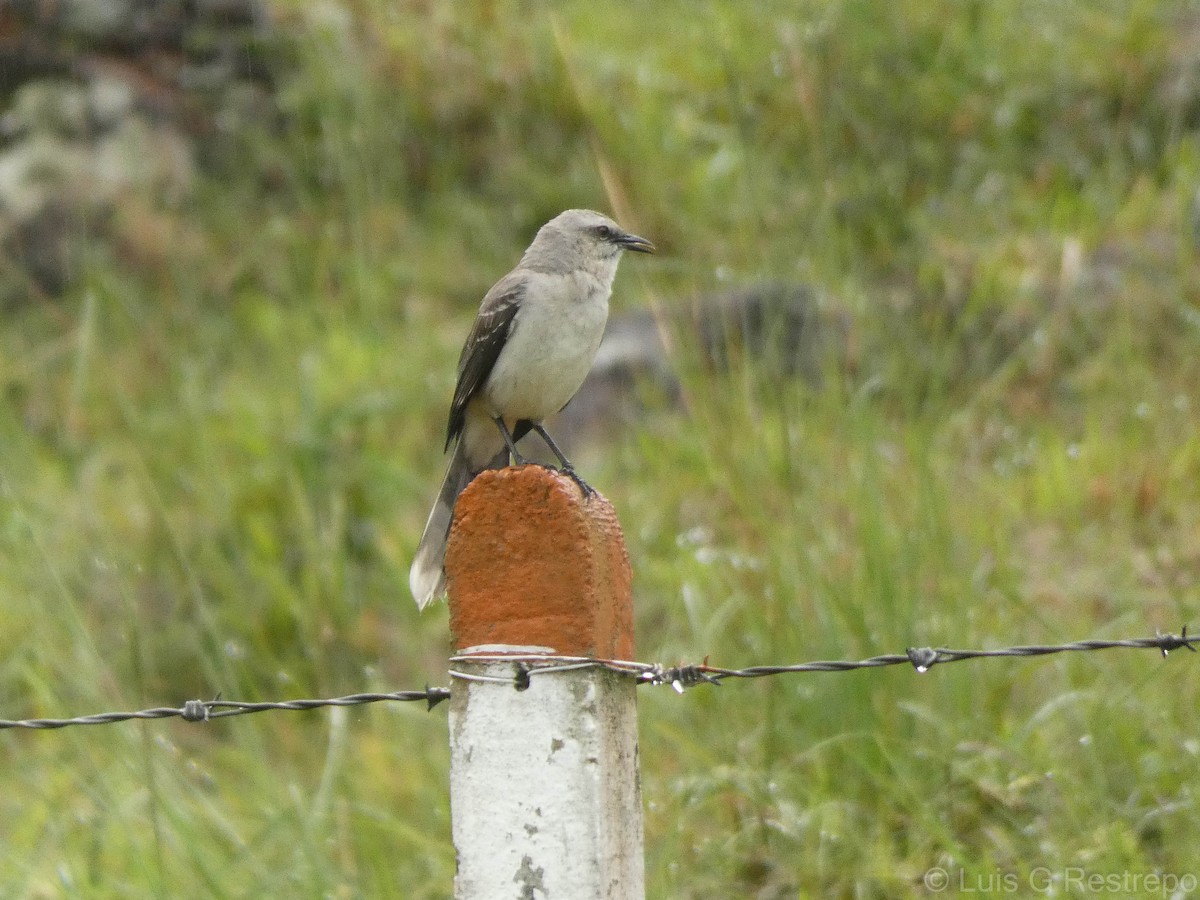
(681, 677)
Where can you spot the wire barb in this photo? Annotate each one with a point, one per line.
(679, 677)
(922, 658)
(1170, 642)
(194, 711)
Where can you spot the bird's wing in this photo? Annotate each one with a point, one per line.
(484, 343)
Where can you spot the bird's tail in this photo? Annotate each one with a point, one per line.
(426, 576)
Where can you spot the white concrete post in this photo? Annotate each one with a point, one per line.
(545, 799)
(544, 793)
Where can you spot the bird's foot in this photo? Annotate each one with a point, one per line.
(570, 472)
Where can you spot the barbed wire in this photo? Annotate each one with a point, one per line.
(925, 658)
(681, 677)
(204, 710)
(684, 676)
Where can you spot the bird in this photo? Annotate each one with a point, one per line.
(528, 352)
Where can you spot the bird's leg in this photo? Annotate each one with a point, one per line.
(564, 464)
(517, 458)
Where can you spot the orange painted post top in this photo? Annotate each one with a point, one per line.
(531, 563)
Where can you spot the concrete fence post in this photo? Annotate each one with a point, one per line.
(545, 799)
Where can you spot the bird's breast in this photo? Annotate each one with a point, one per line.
(551, 344)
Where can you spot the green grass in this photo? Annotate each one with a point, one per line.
(215, 460)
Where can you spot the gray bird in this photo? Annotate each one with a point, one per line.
(528, 352)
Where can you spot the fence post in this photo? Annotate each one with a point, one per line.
(545, 799)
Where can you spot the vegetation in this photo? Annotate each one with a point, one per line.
(217, 452)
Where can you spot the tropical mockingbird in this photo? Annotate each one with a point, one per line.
(528, 352)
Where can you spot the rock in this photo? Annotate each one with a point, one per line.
(112, 103)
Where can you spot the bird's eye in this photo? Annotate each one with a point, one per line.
(603, 231)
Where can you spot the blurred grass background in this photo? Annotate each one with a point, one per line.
(216, 454)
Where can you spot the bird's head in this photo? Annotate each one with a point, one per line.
(580, 237)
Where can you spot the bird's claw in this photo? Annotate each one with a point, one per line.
(570, 472)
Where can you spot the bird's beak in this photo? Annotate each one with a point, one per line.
(635, 243)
